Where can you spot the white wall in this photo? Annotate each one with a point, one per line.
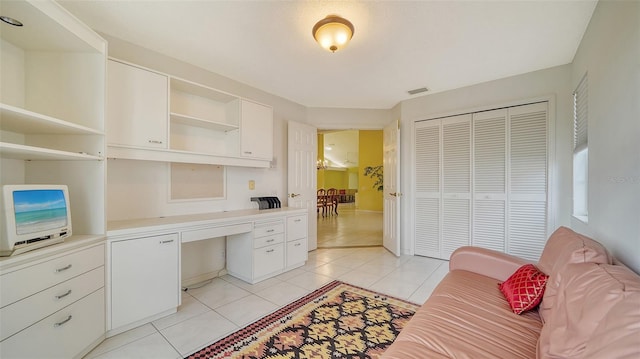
(550, 83)
(348, 118)
(610, 54)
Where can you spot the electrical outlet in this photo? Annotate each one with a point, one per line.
(252, 184)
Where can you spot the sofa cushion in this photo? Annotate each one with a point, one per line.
(467, 317)
(566, 246)
(524, 288)
(586, 295)
(618, 335)
(563, 247)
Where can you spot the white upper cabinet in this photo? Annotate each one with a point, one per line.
(256, 131)
(137, 106)
(157, 117)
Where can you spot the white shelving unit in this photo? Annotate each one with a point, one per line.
(52, 83)
(202, 124)
(199, 122)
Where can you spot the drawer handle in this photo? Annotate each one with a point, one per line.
(297, 245)
(270, 240)
(58, 297)
(248, 152)
(63, 268)
(270, 250)
(167, 241)
(155, 141)
(63, 322)
(297, 220)
(270, 230)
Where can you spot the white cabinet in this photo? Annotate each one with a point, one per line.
(159, 117)
(256, 130)
(297, 239)
(53, 307)
(258, 255)
(137, 106)
(273, 247)
(144, 278)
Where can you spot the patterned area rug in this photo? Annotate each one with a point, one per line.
(336, 321)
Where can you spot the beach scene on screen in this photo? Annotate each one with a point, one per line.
(39, 210)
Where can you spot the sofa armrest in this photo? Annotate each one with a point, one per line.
(484, 261)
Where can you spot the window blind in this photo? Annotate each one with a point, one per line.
(580, 116)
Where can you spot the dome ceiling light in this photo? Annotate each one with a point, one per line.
(333, 32)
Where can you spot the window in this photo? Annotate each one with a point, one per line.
(580, 151)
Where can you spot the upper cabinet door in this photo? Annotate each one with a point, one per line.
(256, 131)
(137, 106)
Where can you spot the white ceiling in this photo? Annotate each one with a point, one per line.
(397, 45)
(341, 148)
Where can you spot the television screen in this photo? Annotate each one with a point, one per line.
(39, 210)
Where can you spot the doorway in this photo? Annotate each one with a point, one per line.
(350, 162)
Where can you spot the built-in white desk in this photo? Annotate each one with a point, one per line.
(143, 256)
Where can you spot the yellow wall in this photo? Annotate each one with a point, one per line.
(369, 154)
(335, 179)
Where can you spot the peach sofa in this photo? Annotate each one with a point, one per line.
(590, 308)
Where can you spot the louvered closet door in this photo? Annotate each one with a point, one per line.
(490, 179)
(456, 184)
(427, 190)
(527, 187)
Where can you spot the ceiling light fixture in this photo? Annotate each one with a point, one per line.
(333, 32)
(10, 20)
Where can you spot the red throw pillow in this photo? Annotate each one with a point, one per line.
(524, 289)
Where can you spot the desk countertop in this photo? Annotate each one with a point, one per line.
(146, 225)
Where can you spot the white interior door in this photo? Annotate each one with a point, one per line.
(302, 154)
(391, 161)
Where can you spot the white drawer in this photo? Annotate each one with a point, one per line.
(268, 240)
(30, 280)
(23, 313)
(296, 227)
(267, 260)
(268, 229)
(215, 232)
(64, 334)
(296, 253)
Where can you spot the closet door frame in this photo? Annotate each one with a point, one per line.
(552, 181)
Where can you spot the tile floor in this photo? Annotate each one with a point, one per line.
(349, 228)
(227, 304)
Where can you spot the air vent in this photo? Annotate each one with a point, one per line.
(417, 91)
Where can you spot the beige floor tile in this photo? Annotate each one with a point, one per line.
(219, 292)
(153, 346)
(283, 293)
(122, 339)
(190, 308)
(246, 310)
(197, 332)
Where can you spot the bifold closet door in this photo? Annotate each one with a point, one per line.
(427, 191)
(527, 195)
(443, 186)
(490, 179)
(481, 179)
(456, 184)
